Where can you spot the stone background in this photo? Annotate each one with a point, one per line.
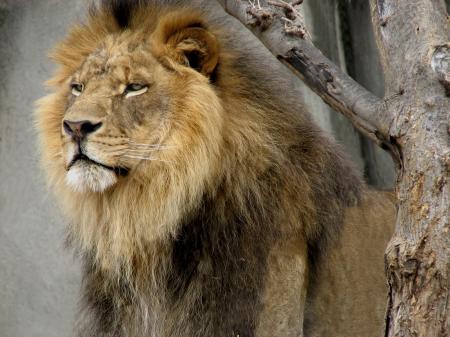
(39, 278)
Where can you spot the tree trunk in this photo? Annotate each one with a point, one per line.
(412, 122)
(413, 40)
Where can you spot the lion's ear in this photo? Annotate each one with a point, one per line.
(185, 40)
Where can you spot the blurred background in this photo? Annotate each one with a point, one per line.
(39, 278)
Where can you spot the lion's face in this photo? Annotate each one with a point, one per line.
(132, 137)
(130, 105)
(118, 115)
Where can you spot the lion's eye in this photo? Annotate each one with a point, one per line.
(77, 89)
(134, 89)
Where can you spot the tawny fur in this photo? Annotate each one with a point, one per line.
(228, 183)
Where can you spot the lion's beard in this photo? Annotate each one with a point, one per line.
(83, 177)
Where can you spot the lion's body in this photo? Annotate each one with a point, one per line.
(349, 294)
(212, 200)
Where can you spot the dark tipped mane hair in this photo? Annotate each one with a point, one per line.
(121, 10)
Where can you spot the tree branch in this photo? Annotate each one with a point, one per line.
(281, 29)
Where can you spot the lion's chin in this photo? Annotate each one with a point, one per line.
(83, 177)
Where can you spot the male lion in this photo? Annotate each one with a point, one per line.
(202, 200)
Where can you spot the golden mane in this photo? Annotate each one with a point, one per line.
(242, 168)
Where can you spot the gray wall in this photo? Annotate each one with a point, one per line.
(39, 279)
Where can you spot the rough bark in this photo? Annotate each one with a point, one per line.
(413, 40)
(412, 122)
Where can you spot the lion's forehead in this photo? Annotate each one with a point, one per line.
(121, 61)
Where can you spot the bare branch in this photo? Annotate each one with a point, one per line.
(290, 11)
(281, 28)
(259, 17)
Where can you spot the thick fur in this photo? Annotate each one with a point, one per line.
(348, 295)
(218, 184)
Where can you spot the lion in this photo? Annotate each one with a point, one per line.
(201, 199)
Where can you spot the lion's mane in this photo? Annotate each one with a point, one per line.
(169, 242)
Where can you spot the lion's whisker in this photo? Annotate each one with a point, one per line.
(125, 149)
(150, 145)
(103, 143)
(148, 158)
(143, 150)
(134, 152)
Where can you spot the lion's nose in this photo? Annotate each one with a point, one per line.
(80, 129)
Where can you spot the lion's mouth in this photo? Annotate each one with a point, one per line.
(120, 171)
